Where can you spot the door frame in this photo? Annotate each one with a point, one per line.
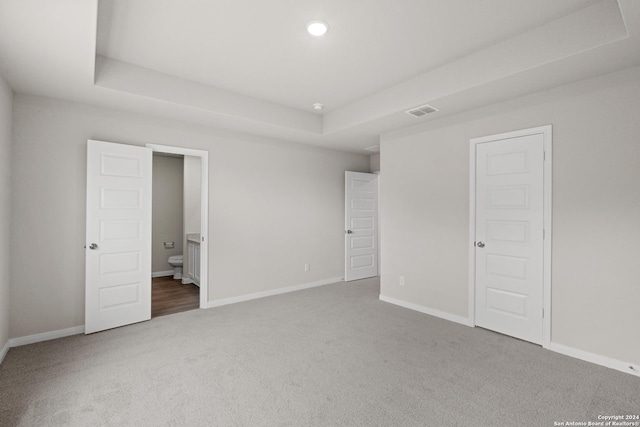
(204, 211)
(546, 132)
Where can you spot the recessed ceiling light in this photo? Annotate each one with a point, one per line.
(317, 28)
(318, 106)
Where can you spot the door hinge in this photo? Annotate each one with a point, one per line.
(544, 234)
(543, 313)
(544, 156)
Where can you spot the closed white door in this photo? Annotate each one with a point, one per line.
(118, 254)
(509, 236)
(361, 225)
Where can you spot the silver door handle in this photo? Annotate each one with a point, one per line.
(480, 244)
(349, 232)
(93, 246)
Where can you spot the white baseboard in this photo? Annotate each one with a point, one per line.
(608, 362)
(46, 336)
(162, 273)
(248, 297)
(426, 310)
(4, 351)
(189, 281)
(605, 361)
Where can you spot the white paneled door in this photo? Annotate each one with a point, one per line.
(118, 251)
(361, 225)
(509, 244)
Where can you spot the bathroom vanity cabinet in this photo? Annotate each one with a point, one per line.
(193, 269)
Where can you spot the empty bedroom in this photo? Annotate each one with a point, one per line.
(319, 213)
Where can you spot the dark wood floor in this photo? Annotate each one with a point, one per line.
(170, 296)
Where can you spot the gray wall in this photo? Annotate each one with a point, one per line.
(274, 206)
(6, 99)
(167, 210)
(596, 209)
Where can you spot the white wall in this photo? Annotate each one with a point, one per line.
(596, 209)
(274, 206)
(167, 210)
(192, 177)
(374, 163)
(192, 188)
(6, 99)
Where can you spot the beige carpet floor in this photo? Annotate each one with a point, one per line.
(328, 356)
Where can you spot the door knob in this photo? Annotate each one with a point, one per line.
(480, 244)
(93, 246)
(349, 232)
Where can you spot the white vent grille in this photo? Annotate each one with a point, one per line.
(423, 110)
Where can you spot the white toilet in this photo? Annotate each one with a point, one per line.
(176, 262)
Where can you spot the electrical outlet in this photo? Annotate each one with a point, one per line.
(307, 268)
(401, 281)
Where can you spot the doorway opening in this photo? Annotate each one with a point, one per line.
(175, 231)
(174, 290)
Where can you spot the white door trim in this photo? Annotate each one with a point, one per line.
(204, 212)
(379, 264)
(547, 141)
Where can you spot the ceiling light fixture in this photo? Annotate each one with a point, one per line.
(317, 28)
(318, 106)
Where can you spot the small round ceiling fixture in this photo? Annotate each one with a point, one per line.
(317, 28)
(317, 106)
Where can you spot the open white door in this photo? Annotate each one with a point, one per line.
(361, 225)
(118, 254)
(509, 225)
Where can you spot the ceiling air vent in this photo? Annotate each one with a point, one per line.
(423, 110)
